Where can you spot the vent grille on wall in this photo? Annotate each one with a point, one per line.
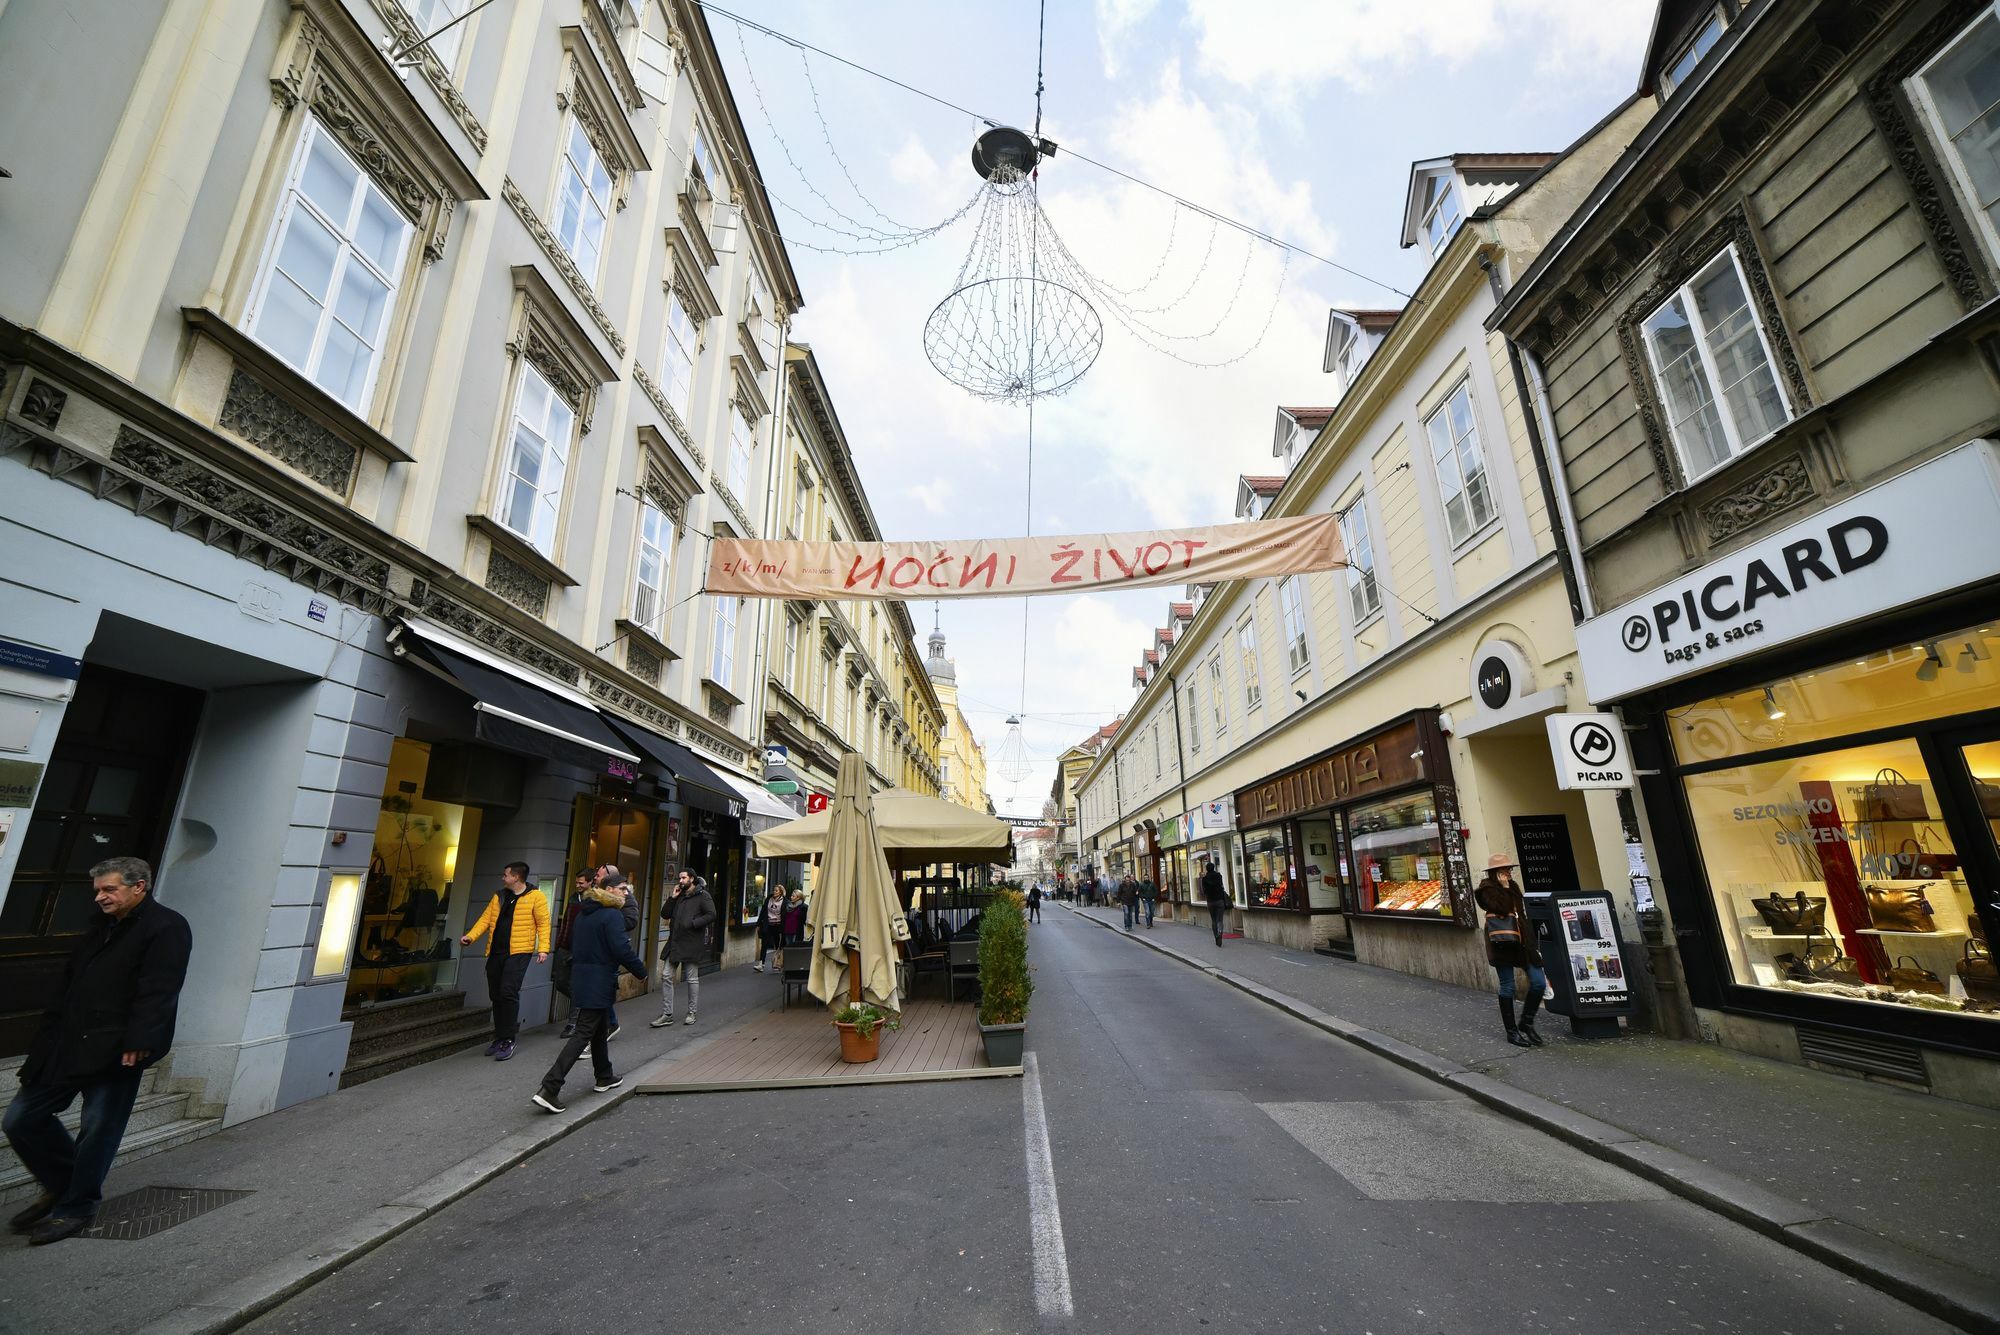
(1874, 1056)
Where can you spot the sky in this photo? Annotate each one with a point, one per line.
(1300, 120)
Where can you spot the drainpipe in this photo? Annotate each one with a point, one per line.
(1180, 754)
(1547, 447)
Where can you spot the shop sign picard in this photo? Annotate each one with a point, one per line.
(1924, 533)
(1590, 751)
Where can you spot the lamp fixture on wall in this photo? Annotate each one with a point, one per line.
(1928, 669)
(1772, 709)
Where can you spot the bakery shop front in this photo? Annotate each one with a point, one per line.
(1360, 848)
(1820, 713)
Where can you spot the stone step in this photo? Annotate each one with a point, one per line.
(474, 1030)
(150, 1080)
(425, 1025)
(149, 1111)
(369, 1019)
(16, 1184)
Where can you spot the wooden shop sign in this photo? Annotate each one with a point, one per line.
(1387, 760)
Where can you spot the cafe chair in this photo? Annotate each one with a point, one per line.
(964, 967)
(795, 971)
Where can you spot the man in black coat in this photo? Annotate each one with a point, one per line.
(601, 949)
(1217, 895)
(112, 1018)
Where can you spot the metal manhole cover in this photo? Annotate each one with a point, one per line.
(149, 1210)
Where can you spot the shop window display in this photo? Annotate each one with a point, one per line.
(1837, 869)
(412, 901)
(1268, 870)
(1398, 856)
(1316, 864)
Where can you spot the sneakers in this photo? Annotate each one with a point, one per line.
(759, 966)
(503, 1051)
(663, 1021)
(547, 1104)
(690, 1018)
(616, 1029)
(606, 1086)
(568, 1030)
(493, 1047)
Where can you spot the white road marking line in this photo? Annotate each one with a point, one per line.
(1052, 1296)
(1294, 963)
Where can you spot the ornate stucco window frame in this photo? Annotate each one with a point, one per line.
(586, 93)
(667, 483)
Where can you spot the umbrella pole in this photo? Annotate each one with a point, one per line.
(853, 976)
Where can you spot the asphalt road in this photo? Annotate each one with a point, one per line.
(1209, 1163)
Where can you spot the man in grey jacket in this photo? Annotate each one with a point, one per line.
(689, 913)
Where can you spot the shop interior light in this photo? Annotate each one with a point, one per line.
(1928, 669)
(1772, 709)
(1972, 655)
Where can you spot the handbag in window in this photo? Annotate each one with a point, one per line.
(1915, 863)
(1899, 910)
(1791, 917)
(1910, 976)
(1979, 974)
(1892, 797)
(1819, 964)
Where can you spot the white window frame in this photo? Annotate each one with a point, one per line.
(701, 162)
(1218, 696)
(742, 442)
(569, 234)
(680, 347)
(722, 653)
(1246, 652)
(559, 445)
(1460, 483)
(1357, 545)
(1718, 392)
(1194, 713)
(660, 545)
(1716, 20)
(791, 653)
(1447, 195)
(346, 254)
(1291, 607)
(430, 15)
(798, 525)
(828, 667)
(1159, 761)
(1920, 92)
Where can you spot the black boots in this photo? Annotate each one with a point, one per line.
(1514, 1034)
(1528, 1010)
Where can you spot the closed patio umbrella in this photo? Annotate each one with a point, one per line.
(856, 919)
(915, 830)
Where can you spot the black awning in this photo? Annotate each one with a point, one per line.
(515, 715)
(699, 785)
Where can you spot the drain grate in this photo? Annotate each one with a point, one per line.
(149, 1210)
(1874, 1056)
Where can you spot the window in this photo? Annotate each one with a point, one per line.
(1194, 715)
(656, 553)
(1682, 65)
(329, 285)
(827, 669)
(1960, 93)
(1441, 217)
(430, 15)
(1268, 869)
(798, 524)
(1363, 595)
(722, 657)
(677, 357)
(1461, 469)
(791, 668)
(1246, 645)
(740, 444)
(701, 168)
(1398, 856)
(1291, 603)
(1713, 369)
(537, 462)
(1215, 696)
(1159, 764)
(583, 200)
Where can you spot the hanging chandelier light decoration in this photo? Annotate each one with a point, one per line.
(1010, 331)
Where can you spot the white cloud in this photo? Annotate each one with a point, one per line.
(1284, 47)
(934, 495)
(1117, 21)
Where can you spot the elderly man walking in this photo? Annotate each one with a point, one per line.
(112, 1017)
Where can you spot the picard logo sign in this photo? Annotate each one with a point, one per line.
(1720, 610)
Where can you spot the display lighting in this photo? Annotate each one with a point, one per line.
(1772, 709)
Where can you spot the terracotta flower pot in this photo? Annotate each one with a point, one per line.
(854, 1046)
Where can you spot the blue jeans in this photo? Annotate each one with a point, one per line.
(1538, 982)
(74, 1170)
(1131, 913)
(1149, 913)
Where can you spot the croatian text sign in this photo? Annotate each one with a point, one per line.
(1004, 567)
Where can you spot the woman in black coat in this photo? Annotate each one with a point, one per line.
(1510, 945)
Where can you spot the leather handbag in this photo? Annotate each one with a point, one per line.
(1899, 910)
(1819, 964)
(1892, 797)
(1910, 976)
(1791, 917)
(1914, 862)
(1979, 974)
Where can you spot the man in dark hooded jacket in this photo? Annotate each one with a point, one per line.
(600, 948)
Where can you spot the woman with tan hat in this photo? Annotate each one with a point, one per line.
(1510, 945)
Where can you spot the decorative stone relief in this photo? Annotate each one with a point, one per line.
(669, 416)
(602, 688)
(719, 709)
(663, 494)
(254, 413)
(43, 404)
(359, 138)
(535, 345)
(427, 600)
(717, 745)
(435, 74)
(514, 582)
(734, 506)
(564, 265)
(1778, 488)
(642, 662)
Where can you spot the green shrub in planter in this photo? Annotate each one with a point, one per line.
(1004, 985)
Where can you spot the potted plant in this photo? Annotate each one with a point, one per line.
(1004, 985)
(861, 1029)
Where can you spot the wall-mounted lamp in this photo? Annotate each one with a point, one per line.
(1772, 709)
(1928, 669)
(1972, 655)
(1301, 695)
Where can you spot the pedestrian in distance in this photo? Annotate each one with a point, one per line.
(1217, 895)
(688, 912)
(770, 928)
(1128, 898)
(112, 1016)
(1035, 903)
(518, 917)
(1149, 895)
(1510, 945)
(795, 918)
(601, 949)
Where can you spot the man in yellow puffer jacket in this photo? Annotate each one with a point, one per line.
(518, 917)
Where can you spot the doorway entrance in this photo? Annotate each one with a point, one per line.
(109, 791)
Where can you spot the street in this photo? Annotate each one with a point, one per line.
(1215, 1163)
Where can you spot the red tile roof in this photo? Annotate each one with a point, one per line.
(1310, 418)
(1372, 319)
(1152, 658)
(1264, 485)
(1502, 161)
(1185, 611)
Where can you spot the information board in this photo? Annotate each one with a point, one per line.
(1547, 858)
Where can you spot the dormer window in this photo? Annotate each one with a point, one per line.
(1442, 214)
(1689, 57)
